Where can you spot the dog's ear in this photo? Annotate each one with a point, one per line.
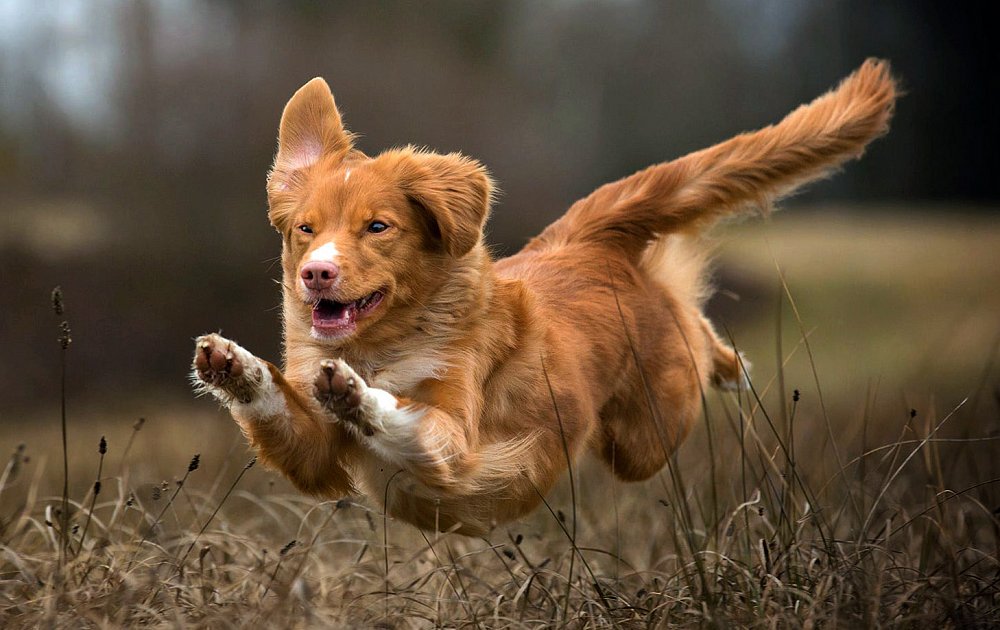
(455, 191)
(310, 129)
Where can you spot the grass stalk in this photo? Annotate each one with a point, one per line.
(192, 466)
(819, 391)
(65, 339)
(102, 449)
(218, 506)
(572, 484)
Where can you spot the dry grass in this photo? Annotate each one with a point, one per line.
(808, 502)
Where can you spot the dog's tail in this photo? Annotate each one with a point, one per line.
(750, 170)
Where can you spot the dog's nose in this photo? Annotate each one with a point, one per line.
(319, 275)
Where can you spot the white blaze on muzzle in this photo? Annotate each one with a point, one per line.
(325, 253)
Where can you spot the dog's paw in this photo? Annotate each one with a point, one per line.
(340, 391)
(737, 379)
(215, 363)
(225, 369)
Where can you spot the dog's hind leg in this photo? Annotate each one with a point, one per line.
(730, 369)
(644, 425)
(277, 420)
(645, 421)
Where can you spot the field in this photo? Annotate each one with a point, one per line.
(855, 485)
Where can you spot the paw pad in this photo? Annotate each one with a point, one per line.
(215, 362)
(338, 389)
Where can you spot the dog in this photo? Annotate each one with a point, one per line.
(454, 389)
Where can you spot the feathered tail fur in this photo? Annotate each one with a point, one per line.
(750, 170)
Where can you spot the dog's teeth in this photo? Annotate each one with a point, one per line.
(365, 301)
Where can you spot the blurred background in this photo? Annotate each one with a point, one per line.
(135, 137)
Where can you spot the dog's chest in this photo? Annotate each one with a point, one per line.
(403, 374)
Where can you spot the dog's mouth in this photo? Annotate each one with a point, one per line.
(336, 319)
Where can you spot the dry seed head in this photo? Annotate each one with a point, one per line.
(193, 466)
(57, 301)
(138, 424)
(64, 335)
(253, 460)
(97, 488)
(102, 447)
(287, 547)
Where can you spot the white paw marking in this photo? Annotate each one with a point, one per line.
(396, 436)
(743, 384)
(387, 416)
(269, 401)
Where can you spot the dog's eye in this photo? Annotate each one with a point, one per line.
(305, 228)
(376, 227)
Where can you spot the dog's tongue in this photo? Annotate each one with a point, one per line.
(330, 314)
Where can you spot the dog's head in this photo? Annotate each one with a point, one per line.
(364, 236)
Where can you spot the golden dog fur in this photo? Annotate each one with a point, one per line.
(458, 387)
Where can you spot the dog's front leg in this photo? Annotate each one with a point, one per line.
(279, 422)
(423, 439)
